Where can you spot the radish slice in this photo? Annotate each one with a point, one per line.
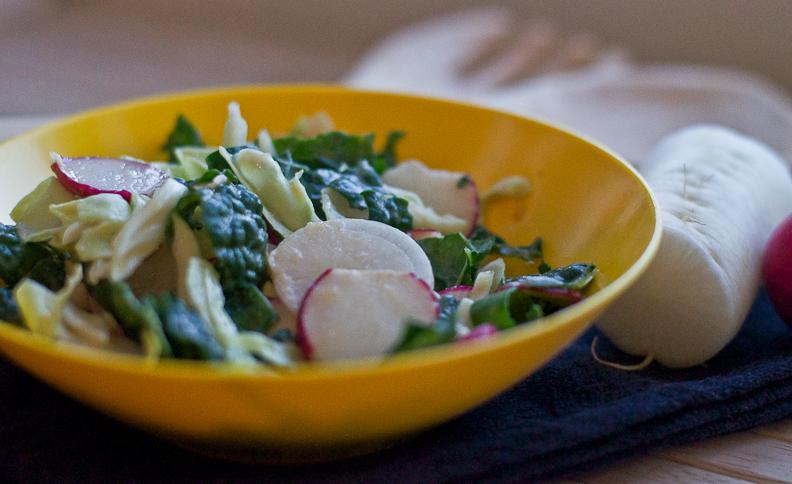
(420, 234)
(420, 262)
(482, 331)
(447, 192)
(353, 314)
(457, 292)
(90, 176)
(305, 254)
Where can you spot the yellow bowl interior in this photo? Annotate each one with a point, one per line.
(586, 203)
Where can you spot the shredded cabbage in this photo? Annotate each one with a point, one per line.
(144, 231)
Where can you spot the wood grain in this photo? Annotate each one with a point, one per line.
(656, 470)
(745, 455)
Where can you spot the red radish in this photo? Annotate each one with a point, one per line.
(420, 234)
(777, 269)
(482, 331)
(457, 292)
(345, 244)
(353, 314)
(90, 176)
(447, 192)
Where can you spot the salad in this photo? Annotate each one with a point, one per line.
(313, 245)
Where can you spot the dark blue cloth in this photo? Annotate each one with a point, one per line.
(573, 415)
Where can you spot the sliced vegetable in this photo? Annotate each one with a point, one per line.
(504, 309)
(143, 233)
(189, 335)
(482, 331)
(454, 259)
(34, 260)
(445, 191)
(205, 296)
(138, 320)
(385, 302)
(90, 176)
(35, 222)
(41, 308)
(183, 134)
(235, 128)
(574, 277)
(249, 308)
(9, 310)
(296, 263)
(285, 201)
(420, 334)
(231, 230)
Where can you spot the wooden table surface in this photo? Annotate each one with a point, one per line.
(61, 56)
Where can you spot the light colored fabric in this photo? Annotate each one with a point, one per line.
(626, 106)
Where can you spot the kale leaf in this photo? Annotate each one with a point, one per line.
(454, 258)
(132, 315)
(227, 218)
(9, 311)
(574, 277)
(36, 260)
(182, 134)
(189, 335)
(387, 157)
(442, 330)
(332, 150)
(249, 308)
(529, 253)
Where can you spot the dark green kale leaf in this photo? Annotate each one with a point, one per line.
(249, 308)
(35, 260)
(454, 258)
(216, 161)
(9, 311)
(182, 134)
(442, 330)
(227, 219)
(387, 157)
(504, 309)
(362, 188)
(190, 336)
(529, 253)
(574, 277)
(332, 150)
(132, 315)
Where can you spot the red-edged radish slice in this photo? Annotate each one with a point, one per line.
(90, 176)
(482, 331)
(420, 234)
(447, 192)
(457, 292)
(420, 262)
(305, 254)
(354, 314)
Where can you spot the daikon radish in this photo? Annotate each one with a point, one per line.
(721, 194)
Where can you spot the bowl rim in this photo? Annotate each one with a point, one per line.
(359, 367)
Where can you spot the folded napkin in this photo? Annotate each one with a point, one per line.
(570, 416)
(626, 105)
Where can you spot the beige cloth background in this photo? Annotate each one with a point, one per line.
(59, 56)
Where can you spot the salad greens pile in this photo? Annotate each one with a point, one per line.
(182, 269)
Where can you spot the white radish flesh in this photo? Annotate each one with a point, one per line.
(353, 314)
(420, 262)
(446, 192)
(305, 254)
(721, 195)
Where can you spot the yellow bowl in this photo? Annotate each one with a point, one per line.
(587, 204)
